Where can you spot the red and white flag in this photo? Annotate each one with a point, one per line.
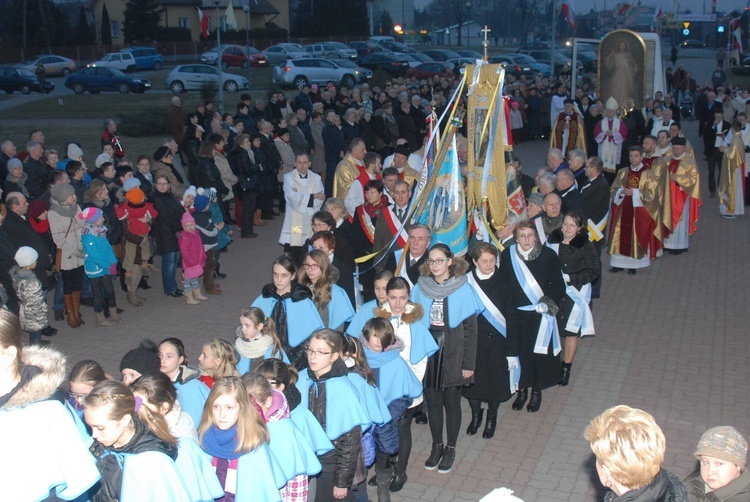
(658, 14)
(203, 20)
(567, 10)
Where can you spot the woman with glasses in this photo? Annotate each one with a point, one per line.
(331, 300)
(451, 308)
(533, 286)
(165, 229)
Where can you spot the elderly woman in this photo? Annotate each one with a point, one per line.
(629, 449)
(533, 287)
(16, 179)
(722, 453)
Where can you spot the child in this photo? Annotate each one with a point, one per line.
(218, 359)
(209, 236)
(191, 392)
(233, 434)
(193, 260)
(225, 232)
(33, 307)
(99, 263)
(137, 214)
(288, 445)
(256, 340)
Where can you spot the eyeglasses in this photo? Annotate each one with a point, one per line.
(316, 353)
(439, 261)
(311, 266)
(163, 184)
(77, 395)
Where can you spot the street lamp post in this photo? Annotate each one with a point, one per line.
(220, 57)
(468, 27)
(246, 8)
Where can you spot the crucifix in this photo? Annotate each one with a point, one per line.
(485, 42)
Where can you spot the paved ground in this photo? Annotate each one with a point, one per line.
(671, 340)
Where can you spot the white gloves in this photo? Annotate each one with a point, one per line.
(541, 308)
(513, 363)
(567, 278)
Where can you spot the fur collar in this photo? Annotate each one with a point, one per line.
(578, 242)
(53, 366)
(412, 313)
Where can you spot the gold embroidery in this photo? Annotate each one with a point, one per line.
(633, 181)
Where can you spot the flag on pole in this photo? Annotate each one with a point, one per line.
(567, 10)
(737, 44)
(658, 14)
(203, 20)
(624, 9)
(231, 21)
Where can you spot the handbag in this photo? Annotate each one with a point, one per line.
(58, 253)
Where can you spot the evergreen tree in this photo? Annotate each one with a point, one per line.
(40, 25)
(106, 27)
(142, 20)
(385, 23)
(84, 36)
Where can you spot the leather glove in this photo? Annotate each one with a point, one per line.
(513, 363)
(541, 308)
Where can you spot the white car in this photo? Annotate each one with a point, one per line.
(122, 61)
(194, 77)
(281, 52)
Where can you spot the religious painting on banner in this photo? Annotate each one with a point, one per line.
(487, 130)
(622, 67)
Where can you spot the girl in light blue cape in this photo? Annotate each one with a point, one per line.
(256, 340)
(367, 311)
(332, 302)
(191, 392)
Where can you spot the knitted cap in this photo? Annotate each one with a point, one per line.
(191, 190)
(102, 159)
(14, 163)
(144, 359)
(187, 218)
(25, 256)
(161, 152)
(536, 198)
(723, 442)
(91, 215)
(135, 196)
(74, 151)
(61, 192)
(36, 208)
(201, 202)
(131, 183)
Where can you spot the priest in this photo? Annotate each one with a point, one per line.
(568, 133)
(610, 132)
(680, 198)
(732, 176)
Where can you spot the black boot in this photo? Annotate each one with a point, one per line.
(399, 480)
(565, 374)
(218, 274)
(476, 420)
(383, 476)
(521, 397)
(536, 400)
(489, 427)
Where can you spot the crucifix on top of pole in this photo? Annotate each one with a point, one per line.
(486, 42)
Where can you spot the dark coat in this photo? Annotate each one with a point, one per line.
(596, 193)
(346, 277)
(7, 261)
(665, 487)
(270, 153)
(146, 185)
(459, 350)
(207, 175)
(244, 168)
(333, 140)
(20, 233)
(350, 131)
(37, 182)
(166, 226)
(737, 490)
(537, 370)
(572, 200)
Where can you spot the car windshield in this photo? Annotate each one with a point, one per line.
(32, 61)
(25, 72)
(252, 50)
(337, 45)
(293, 47)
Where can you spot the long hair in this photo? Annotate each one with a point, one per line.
(122, 402)
(321, 289)
(380, 328)
(88, 372)
(279, 371)
(177, 344)
(256, 316)
(257, 386)
(157, 389)
(251, 429)
(353, 347)
(227, 355)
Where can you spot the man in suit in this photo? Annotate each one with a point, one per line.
(706, 116)
(572, 200)
(273, 165)
(596, 194)
(420, 237)
(391, 220)
(714, 135)
(334, 150)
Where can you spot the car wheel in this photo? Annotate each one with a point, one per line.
(224, 65)
(25, 89)
(157, 65)
(245, 64)
(66, 72)
(231, 86)
(348, 81)
(177, 87)
(78, 89)
(123, 88)
(300, 82)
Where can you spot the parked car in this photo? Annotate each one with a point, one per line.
(257, 58)
(692, 44)
(589, 60)
(53, 64)
(429, 70)
(539, 44)
(281, 52)
(231, 56)
(397, 47)
(123, 61)
(318, 51)
(194, 77)
(20, 78)
(459, 63)
(563, 64)
(301, 72)
(364, 48)
(146, 58)
(441, 54)
(342, 50)
(470, 54)
(516, 64)
(414, 59)
(360, 73)
(392, 64)
(379, 39)
(96, 79)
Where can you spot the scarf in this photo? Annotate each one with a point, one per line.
(20, 181)
(100, 231)
(298, 293)
(252, 349)
(549, 224)
(373, 209)
(279, 409)
(437, 291)
(40, 226)
(221, 444)
(65, 211)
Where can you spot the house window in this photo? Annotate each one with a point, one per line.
(184, 22)
(114, 28)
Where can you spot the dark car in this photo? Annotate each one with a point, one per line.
(389, 63)
(96, 79)
(442, 54)
(397, 47)
(429, 70)
(589, 60)
(13, 78)
(364, 48)
(515, 64)
(146, 58)
(692, 44)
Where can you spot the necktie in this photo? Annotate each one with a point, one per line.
(400, 214)
(412, 262)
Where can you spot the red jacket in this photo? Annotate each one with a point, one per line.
(133, 213)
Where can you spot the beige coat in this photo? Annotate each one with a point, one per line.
(67, 240)
(227, 176)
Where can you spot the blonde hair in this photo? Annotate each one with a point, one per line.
(256, 316)
(227, 355)
(251, 429)
(629, 443)
(258, 386)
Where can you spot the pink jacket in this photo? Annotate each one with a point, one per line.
(193, 254)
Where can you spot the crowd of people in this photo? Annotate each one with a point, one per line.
(367, 325)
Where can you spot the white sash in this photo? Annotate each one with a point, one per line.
(548, 325)
(540, 229)
(491, 313)
(580, 316)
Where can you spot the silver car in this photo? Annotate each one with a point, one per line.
(281, 52)
(53, 64)
(193, 77)
(343, 51)
(305, 71)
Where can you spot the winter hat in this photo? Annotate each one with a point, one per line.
(187, 218)
(102, 159)
(144, 359)
(61, 192)
(201, 202)
(514, 105)
(403, 150)
(536, 198)
(36, 208)
(131, 183)
(14, 163)
(74, 152)
(161, 152)
(135, 196)
(723, 442)
(191, 190)
(282, 132)
(91, 215)
(25, 256)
